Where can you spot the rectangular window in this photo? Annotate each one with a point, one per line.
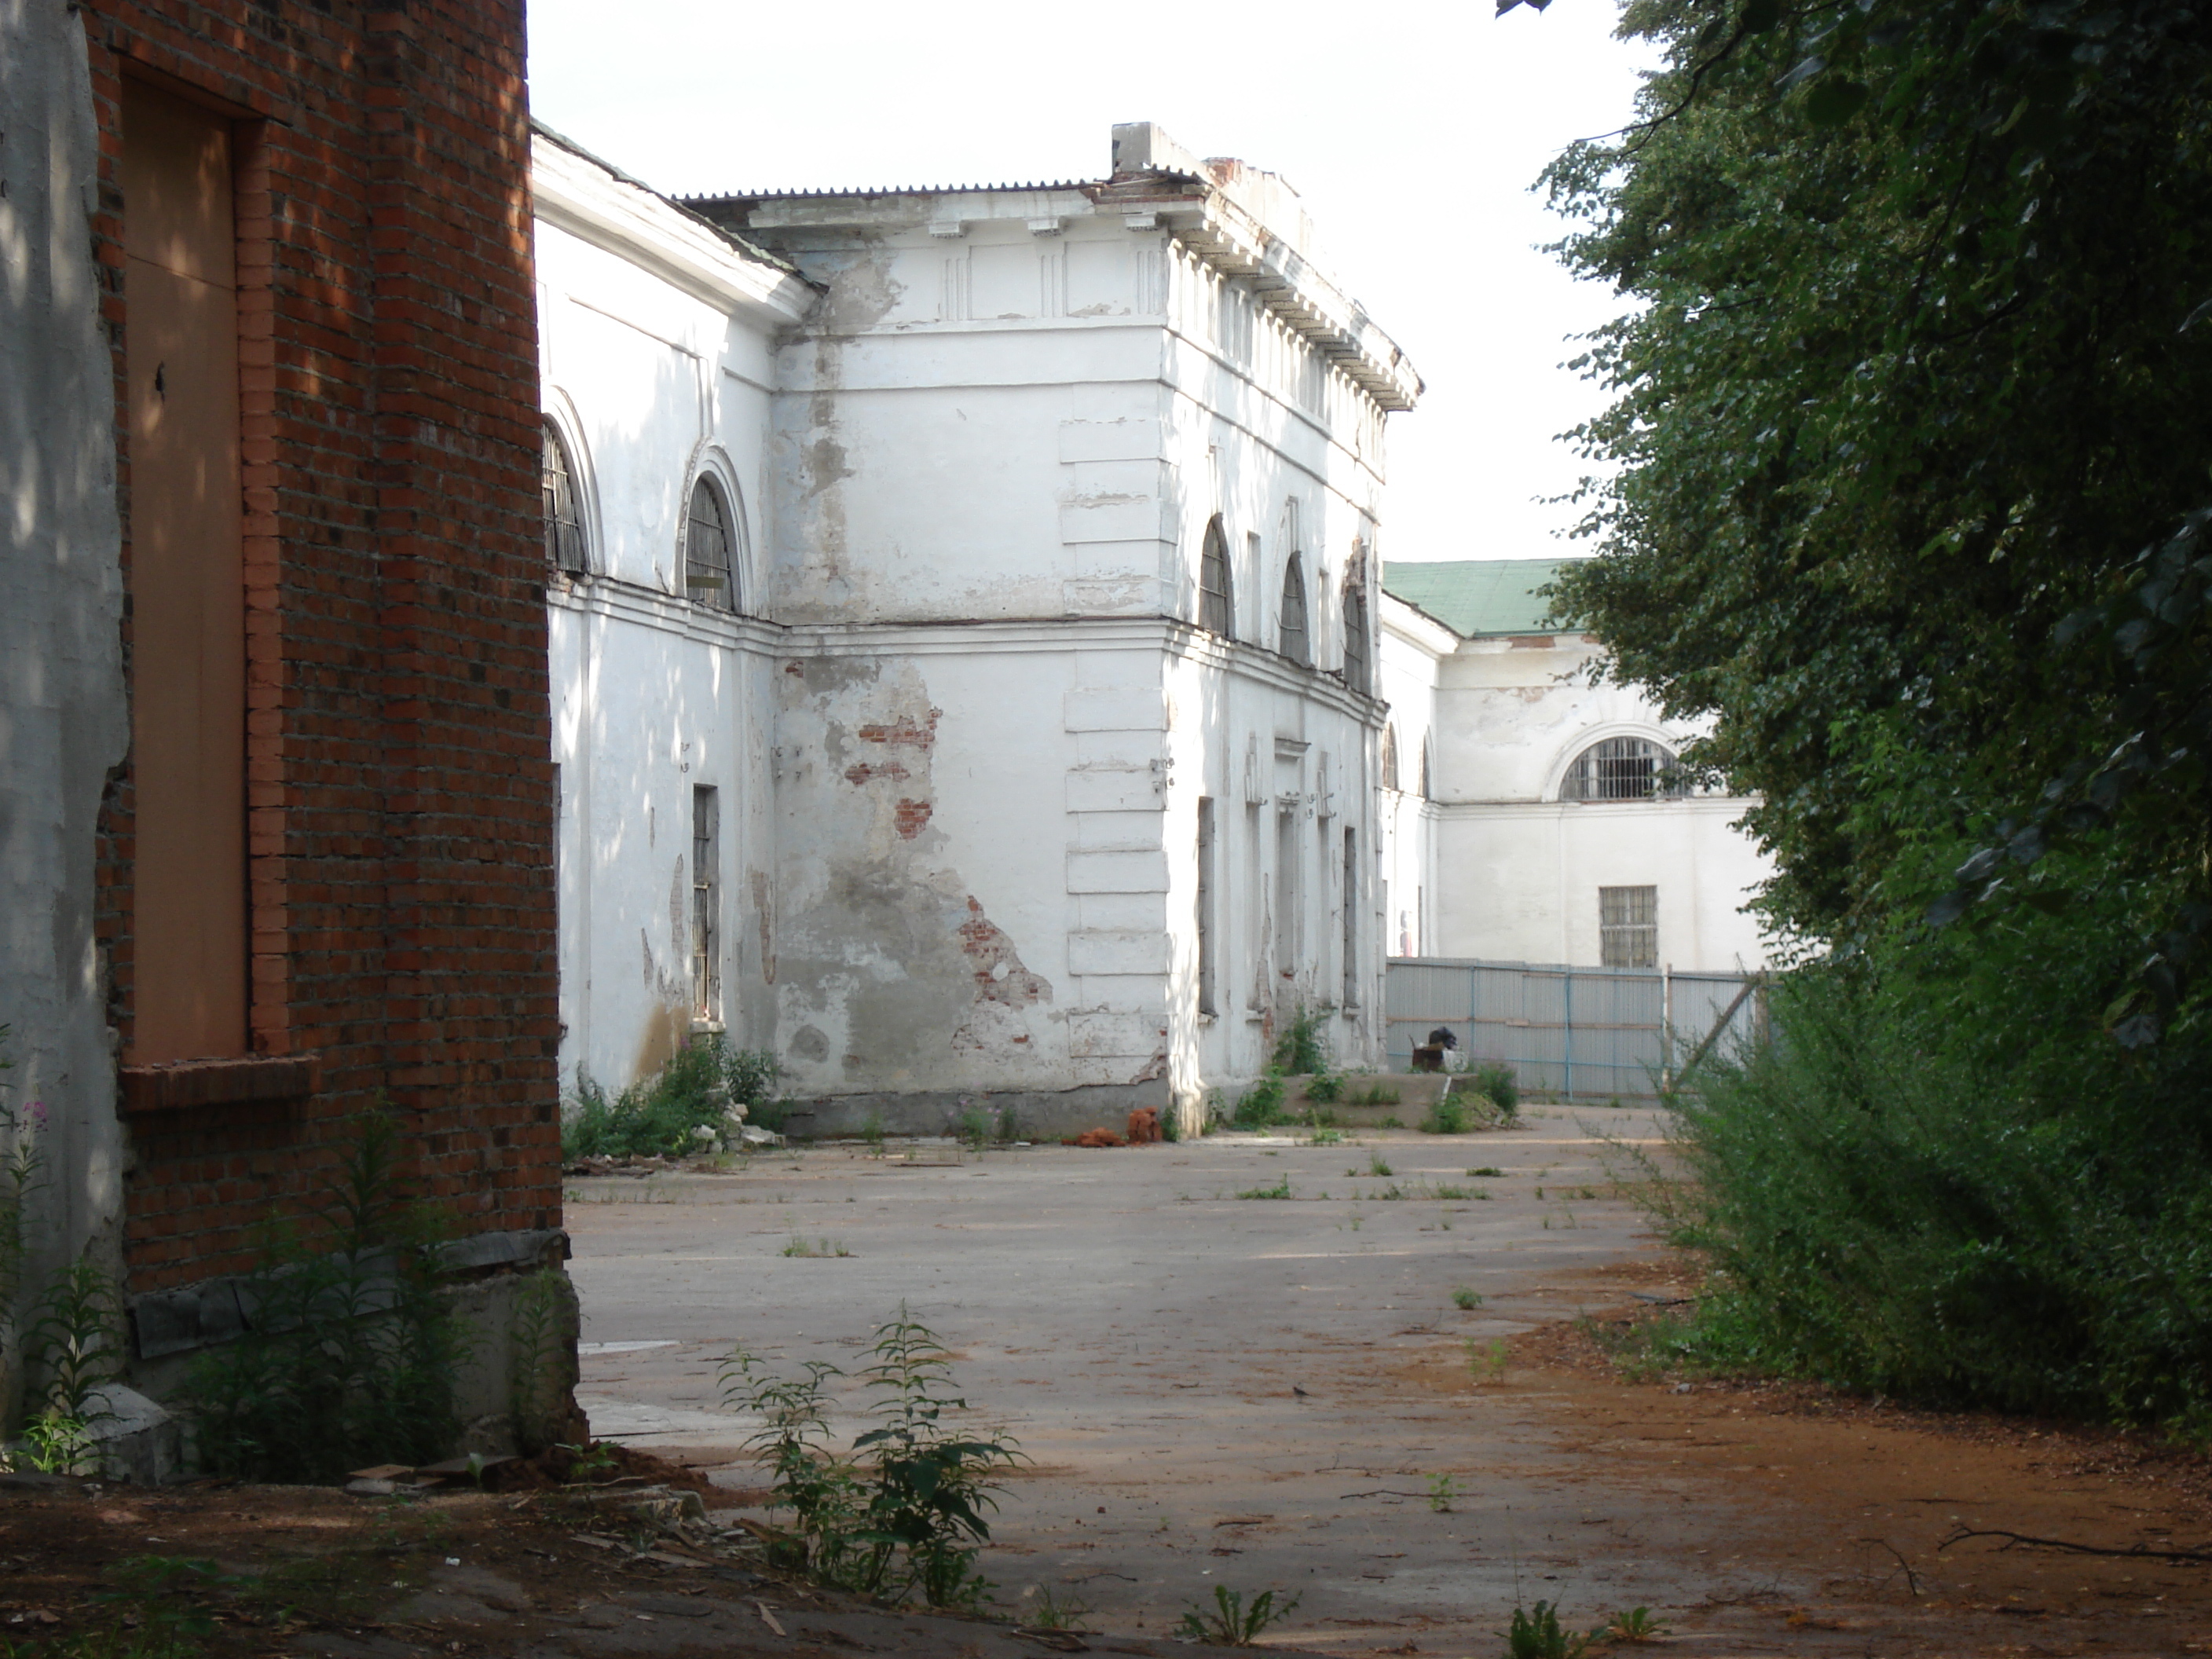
(189, 895)
(1287, 891)
(1206, 883)
(705, 906)
(1351, 919)
(1628, 926)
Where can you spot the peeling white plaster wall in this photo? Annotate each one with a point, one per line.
(64, 719)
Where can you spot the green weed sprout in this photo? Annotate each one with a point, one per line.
(1537, 1634)
(1231, 1624)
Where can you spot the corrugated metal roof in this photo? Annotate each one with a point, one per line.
(1472, 596)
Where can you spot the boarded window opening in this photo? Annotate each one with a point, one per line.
(557, 489)
(1628, 926)
(708, 545)
(1207, 885)
(1287, 891)
(706, 905)
(1217, 609)
(1355, 640)
(1294, 642)
(189, 987)
(1351, 919)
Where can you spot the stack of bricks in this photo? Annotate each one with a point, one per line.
(400, 812)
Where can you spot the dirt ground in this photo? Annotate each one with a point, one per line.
(1278, 1394)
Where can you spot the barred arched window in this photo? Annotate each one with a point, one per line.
(708, 544)
(1293, 642)
(1355, 639)
(1390, 758)
(1217, 607)
(1620, 768)
(556, 491)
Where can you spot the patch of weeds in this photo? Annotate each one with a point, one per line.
(1261, 1105)
(1390, 1192)
(1537, 1634)
(818, 1247)
(1487, 1171)
(1499, 1084)
(694, 1103)
(1636, 1624)
(1539, 1192)
(1303, 1048)
(974, 1130)
(1325, 1088)
(1325, 1138)
(1049, 1613)
(1010, 1127)
(1447, 1117)
(74, 1347)
(1442, 1490)
(902, 1514)
(539, 1337)
(871, 1133)
(1391, 1122)
(1585, 1194)
(355, 1350)
(1454, 1194)
(1467, 1299)
(1280, 1190)
(1486, 1362)
(152, 1610)
(1231, 1624)
(1375, 1094)
(1375, 1166)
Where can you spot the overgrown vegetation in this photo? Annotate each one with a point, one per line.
(352, 1354)
(1893, 1202)
(1909, 498)
(694, 1103)
(902, 1513)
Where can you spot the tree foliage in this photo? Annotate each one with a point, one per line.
(1913, 463)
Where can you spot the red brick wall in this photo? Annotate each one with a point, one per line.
(399, 786)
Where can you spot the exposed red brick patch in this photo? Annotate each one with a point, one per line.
(913, 818)
(1000, 975)
(891, 769)
(904, 731)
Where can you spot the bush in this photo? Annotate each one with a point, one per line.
(1447, 1117)
(1895, 1197)
(1497, 1080)
(1303, 1048)
(707, 1085)
(1261, 1106)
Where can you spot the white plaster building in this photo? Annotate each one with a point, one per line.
(1531, 822)
(1037, 713)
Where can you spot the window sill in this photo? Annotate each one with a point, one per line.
(179, 1084)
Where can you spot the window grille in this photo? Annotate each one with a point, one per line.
(1628, 926)
(1355, 639)
(707, 549)
(706, 909)
(556, 489)
(1217, 611)
(1293, 643)
(1620, 769)
(1390, 758)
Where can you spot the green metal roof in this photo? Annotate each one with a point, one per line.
(1476, 596)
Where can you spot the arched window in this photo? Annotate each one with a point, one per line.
(708, 542)
(1427, 794)
(556, 491)
(1355, 639)
(1620, 768)
(1293, 643)
(1217, 607)
(1390, 758)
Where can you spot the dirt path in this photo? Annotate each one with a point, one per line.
(1270, 1393)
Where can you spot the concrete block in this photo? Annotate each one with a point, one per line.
(1104, 950)
(1122, 910)
(1116, 789)
(1136, 521)
(1114, 708)
(1110, 441)
(1117, 873)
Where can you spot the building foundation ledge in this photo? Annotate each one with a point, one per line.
(178, 1085)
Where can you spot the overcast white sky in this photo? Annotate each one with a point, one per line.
(1412, 131)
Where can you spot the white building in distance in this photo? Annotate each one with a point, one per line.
(962, 633)
(1526, 812)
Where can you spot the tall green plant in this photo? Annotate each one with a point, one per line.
(903, 1513)
(351, 1352)
(685, 1106)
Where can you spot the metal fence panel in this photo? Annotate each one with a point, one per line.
(1569, 1030)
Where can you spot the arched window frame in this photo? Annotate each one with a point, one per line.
(1294, 623)
(1428, 775)
(560, 424)
(1603, 768)
(1217, 582)
(1390, 755)
(716, 481)
(1358, 652)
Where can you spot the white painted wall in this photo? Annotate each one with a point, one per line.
(963, 732)
(1512, 871)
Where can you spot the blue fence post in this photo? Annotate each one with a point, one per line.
(1567, 1034)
